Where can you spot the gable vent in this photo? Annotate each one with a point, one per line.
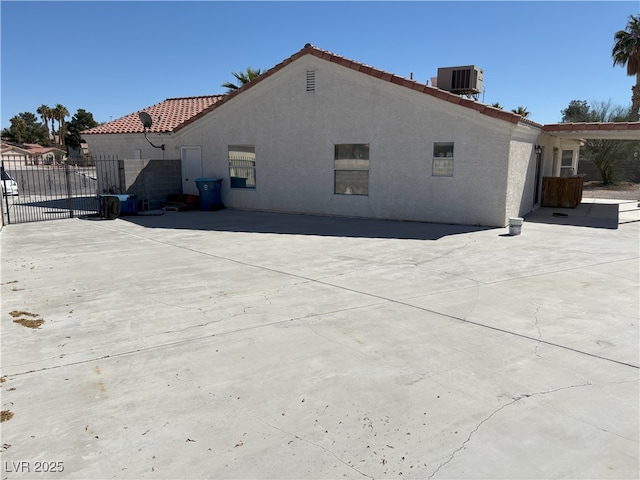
(311, 80)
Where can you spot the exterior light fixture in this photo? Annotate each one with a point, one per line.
(538, 149)
(146, 120)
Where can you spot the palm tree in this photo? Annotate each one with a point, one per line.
(18, 128)
(53, 128)
(60, 112)
(497, 105)
(521, 111)
(626, 51)
(45, 112)
(243, 78)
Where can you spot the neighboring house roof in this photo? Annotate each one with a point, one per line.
(28, 149)
(13, 149)
(168, 116)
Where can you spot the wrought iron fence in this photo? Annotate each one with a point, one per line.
(36, 191)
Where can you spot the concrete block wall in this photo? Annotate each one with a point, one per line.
(152, 180)
(627, 170)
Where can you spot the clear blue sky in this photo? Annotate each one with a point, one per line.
(114, 58)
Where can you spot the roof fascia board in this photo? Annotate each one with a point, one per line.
(595, 130)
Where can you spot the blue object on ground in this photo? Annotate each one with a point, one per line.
(128, 203)
(210, 193)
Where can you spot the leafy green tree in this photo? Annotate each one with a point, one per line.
(242, 78)
(25, 128)
(626, 52)
(577, 111)
(603, 153)
(80, 122)
(497, 105)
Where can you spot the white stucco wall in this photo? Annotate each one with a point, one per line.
(522, 172)
(123, 146)
(294, 133)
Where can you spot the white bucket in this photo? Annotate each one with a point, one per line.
(515, 225)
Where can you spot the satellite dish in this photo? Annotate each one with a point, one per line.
(146, 120)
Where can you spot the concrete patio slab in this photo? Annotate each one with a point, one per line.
(256, 345)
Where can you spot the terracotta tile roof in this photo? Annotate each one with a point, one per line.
(168, 116)
(28, 149)
(13, 148)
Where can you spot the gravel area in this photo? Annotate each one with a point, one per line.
(618, 191)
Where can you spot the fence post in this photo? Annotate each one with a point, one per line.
(6, 200)
(68, 181)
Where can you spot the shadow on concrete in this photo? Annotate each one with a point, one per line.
(593, 215)
(293, 224)
(77, 203)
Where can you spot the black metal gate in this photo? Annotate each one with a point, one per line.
(35, 190)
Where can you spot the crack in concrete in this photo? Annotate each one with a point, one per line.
(183, 307)
(605, 430)
(475, 302)
(495, 412)
(535, 315)
(470, 241)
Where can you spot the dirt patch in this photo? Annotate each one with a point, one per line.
(616, 191)
(19, 313)
(6, 415)
(32, 322)
(29, 322)
(613, 186)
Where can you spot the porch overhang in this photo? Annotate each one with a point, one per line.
(595, 130)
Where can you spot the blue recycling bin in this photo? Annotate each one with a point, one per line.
(128, 205)
(210, 193)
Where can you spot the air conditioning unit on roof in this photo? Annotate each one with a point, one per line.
(461, 80)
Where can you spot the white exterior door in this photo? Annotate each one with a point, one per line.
(191, 159)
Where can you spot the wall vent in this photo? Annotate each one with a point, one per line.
(311, 80)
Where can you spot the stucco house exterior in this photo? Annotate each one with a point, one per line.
(322, 134)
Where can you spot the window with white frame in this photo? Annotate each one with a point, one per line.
(442, 159)
(242, 166)
(351, 164)
(566, 163)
